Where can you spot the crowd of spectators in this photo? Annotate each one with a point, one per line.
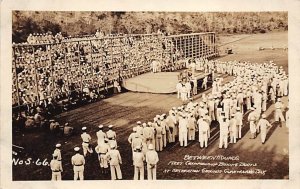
(66, 74)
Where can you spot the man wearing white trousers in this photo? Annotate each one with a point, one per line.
(183, 131)
(263, 123)
(203, 132)
(239, 121)
(224, 130)
(233, 129)
(278, 111)
(114, 160)
(138, 163)
(151, 159)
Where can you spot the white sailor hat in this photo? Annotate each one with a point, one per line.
(100, 126)
(58, 145)
(83, 128)
(238, 108)
(138, 122)
(150, 147)
(113, 145)
(110, 126)
(232, 115)
(76, 149)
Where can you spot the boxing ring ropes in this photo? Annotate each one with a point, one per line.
(195, 45)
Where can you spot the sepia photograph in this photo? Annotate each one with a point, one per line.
(149, 95)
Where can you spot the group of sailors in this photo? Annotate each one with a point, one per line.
(227, 109)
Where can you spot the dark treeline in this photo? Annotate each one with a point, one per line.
(86, 23)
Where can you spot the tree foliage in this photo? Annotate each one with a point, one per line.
(79, 23)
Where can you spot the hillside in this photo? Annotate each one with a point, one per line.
(82, 23)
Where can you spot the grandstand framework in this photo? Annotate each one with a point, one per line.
(42, 71)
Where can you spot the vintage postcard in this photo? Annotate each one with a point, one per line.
(134, 90)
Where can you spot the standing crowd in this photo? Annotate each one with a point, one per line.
(227, 110)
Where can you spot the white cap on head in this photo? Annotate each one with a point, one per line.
(150, 147)
(113, 145)
(100, 126)
(76, 149)
(58, 145)
(279, 99)
(110, 126)
(83, 128)
(138, 122)
(238, 108)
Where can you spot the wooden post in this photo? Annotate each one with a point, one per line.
(80, 71)
(92, 72)
(35, 73)
(16, 76)
(176, 48)
(67, 69)
(192, 37)
(51, 67)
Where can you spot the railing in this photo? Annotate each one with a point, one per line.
(43, 71)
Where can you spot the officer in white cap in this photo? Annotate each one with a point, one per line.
(147, 133)
(211, 107)
(226, 106)
(78, 163)
(158, 138)
(251, 119)
(171, 124)
(56, 168)
(139, 128)
(239, 121)
(183, 130)
(233, 130)
(164, 130)
(114, 161)
(278, 111)
(57, 153)
(203, 128)
(111, 135)
(224, 131)
(138, 162)
(86, 139)
(263, 123)
(132, 136)
(191, 124)
(178, 88)
(136, 141)
(152, 160)
(100, 135)
(101, 149)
